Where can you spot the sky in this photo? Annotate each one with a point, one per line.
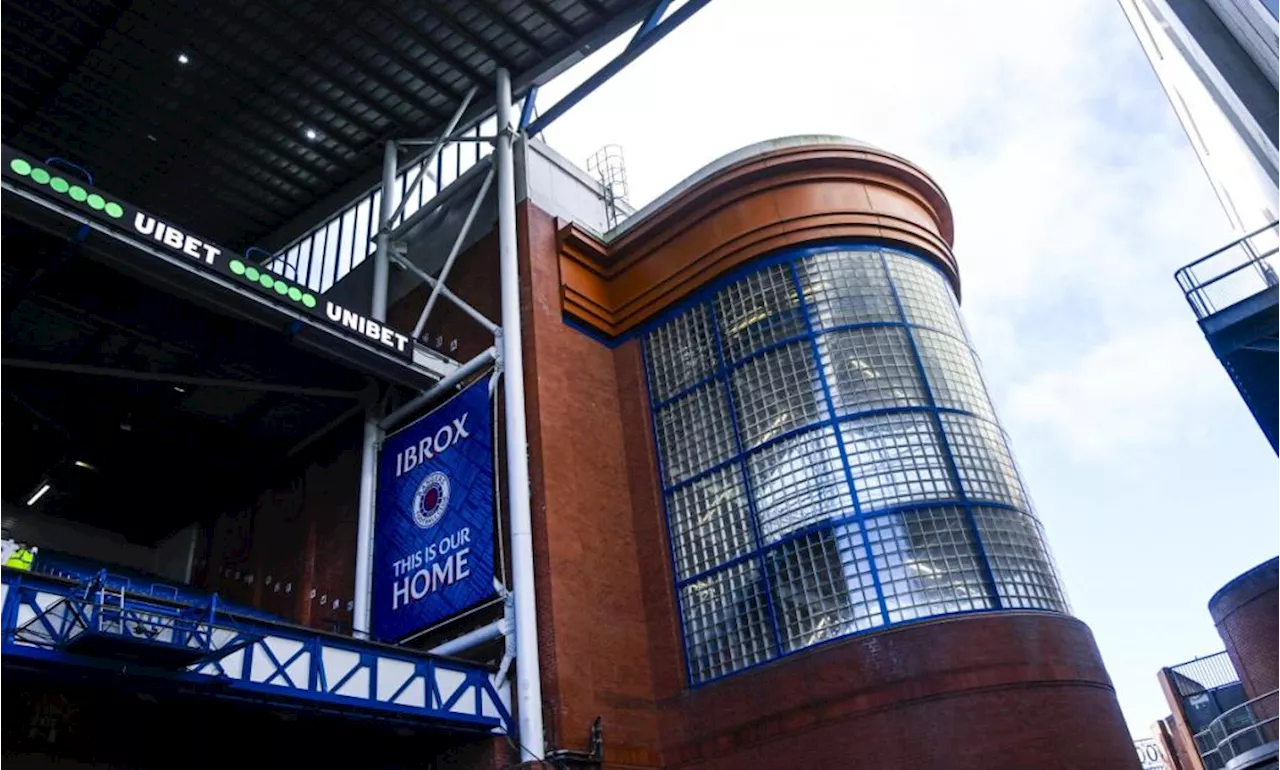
(1076, 196)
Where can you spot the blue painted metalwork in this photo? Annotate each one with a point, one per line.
(639, 44)
(961, 499)
(100, 625)
(1235, 294)
(650, 21)
(526, 111)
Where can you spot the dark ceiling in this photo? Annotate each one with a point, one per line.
(200, 111)
(162, 452)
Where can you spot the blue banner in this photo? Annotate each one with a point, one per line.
(433, 535)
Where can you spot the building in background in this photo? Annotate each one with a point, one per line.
(1217, 61)
(1224, 706)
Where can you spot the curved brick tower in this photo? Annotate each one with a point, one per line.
(777, 521)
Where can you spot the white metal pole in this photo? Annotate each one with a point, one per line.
(528, 670)
(382, 254)
(364, 528)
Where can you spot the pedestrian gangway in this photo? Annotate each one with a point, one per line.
(101, 624)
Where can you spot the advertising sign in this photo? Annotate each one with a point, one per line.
(1148, 753)
(433, 531)
(142, 227)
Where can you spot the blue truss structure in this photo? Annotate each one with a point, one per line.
(97, 623)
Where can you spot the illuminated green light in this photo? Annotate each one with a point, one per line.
(308, 300)
(40, 176)
(95, 201)
(266, 281)
(20, 166)
(59, 184)
(78, 193)
(251, 273)
(281, 287)
(295, 294)
(114, 210)
(236, 266)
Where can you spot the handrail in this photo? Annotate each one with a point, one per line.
(1236, 242)
(1227, 743)
(1197, 291)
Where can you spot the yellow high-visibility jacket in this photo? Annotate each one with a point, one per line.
(21, 559)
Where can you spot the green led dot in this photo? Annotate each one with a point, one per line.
(282, 287)
(59, 184)
(78, 193)
(266, 281)
(95, 201)
(251, 273)
(20, 166)
(308, 300)
(295, 294)
(236, 266)
(40, 176)
(114, 210)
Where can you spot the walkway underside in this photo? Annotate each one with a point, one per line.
(98, 632)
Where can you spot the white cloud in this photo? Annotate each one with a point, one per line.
(1132, 392)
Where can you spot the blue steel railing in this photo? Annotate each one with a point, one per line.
(99, 624)
(1234, 272)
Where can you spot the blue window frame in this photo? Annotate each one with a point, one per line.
(830, 460)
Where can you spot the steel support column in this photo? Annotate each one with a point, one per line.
(362, 610)
(382, 253)
(528, 669)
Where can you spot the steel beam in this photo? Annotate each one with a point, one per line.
(638, 46)
(180, 379)
(445, 386)
(425, 163)
(438, 286)
(453, 252)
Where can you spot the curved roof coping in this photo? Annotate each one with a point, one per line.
(737, 156)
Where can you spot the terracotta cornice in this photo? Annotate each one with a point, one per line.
(780, 198)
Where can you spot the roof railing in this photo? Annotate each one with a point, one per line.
(1238, 730)
(1233, 273)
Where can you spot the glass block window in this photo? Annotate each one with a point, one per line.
(925, 295)
(897, 459)
(871, 368)
(952, 372)
(727, 624)
(776, 393)
(843, 288)
(1020, 560)
(982, 459)
(830, 460)
(799, 481)
(761, 309)
(694, 433)
(928, 563)
(680, 356)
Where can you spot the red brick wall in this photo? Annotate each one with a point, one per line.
(993, 691)
(1016, 690)
(295, 536)
(593, 628)
(1245, 612)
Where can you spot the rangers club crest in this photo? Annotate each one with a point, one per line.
(431, 500)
